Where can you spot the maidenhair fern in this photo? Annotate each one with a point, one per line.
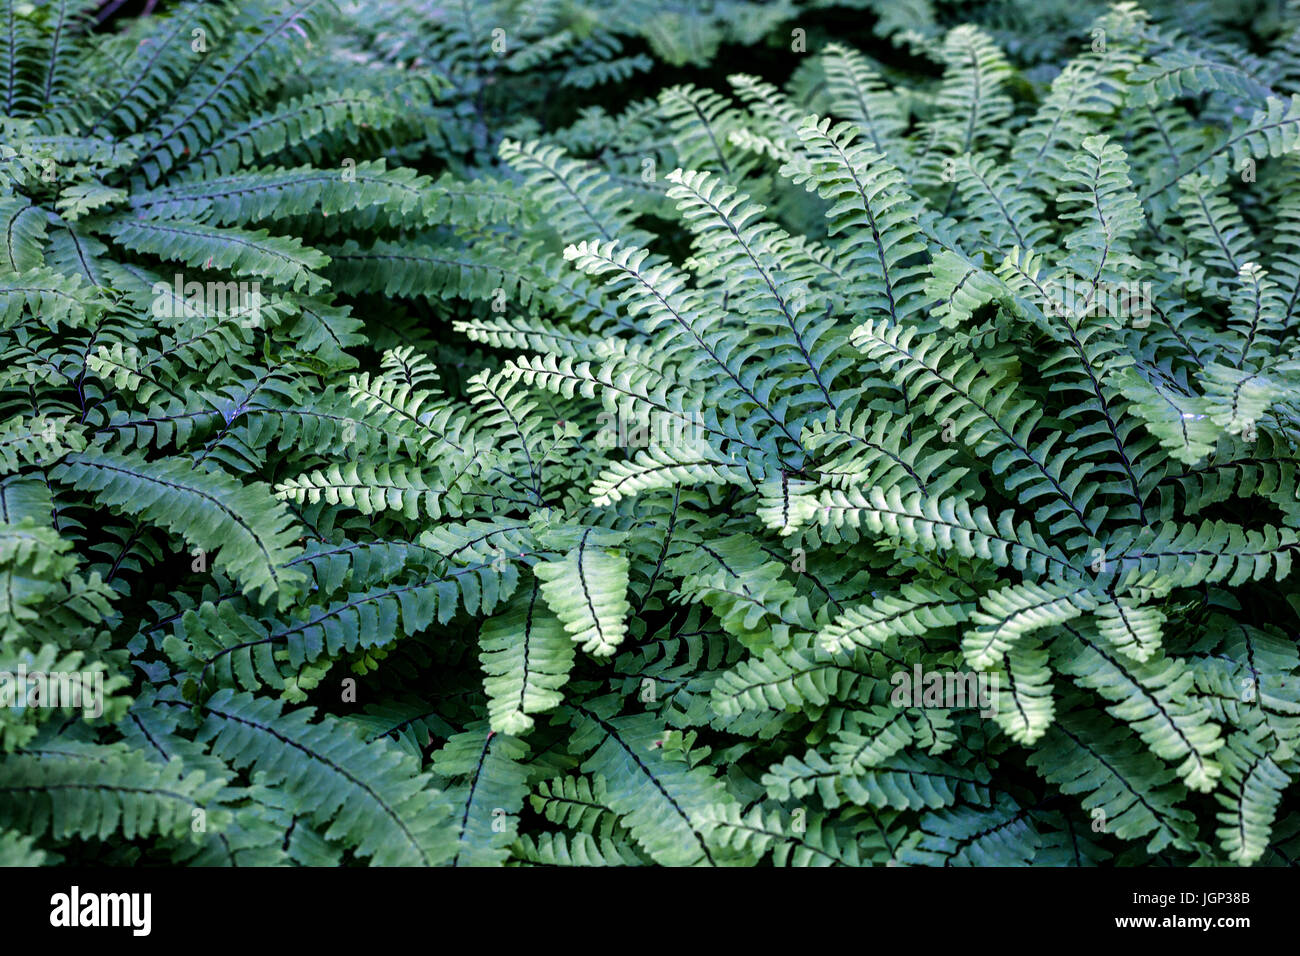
(424, 443)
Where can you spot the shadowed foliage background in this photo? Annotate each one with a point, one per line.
(628, 433)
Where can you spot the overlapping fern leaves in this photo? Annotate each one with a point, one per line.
(580, 498)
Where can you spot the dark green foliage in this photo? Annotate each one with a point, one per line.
(505, 433)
